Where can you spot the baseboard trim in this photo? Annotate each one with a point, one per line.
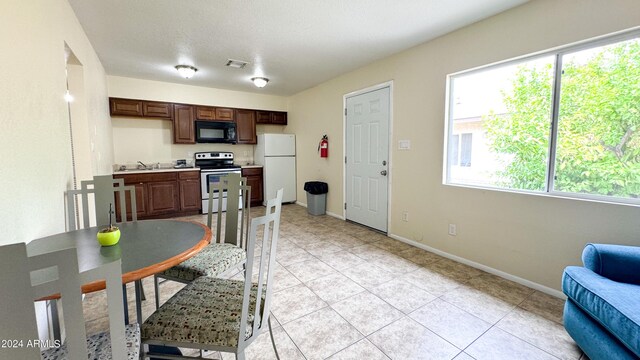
(490, 270)
(336, 215)
(328, 213)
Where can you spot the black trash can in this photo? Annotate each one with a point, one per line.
(316, 197)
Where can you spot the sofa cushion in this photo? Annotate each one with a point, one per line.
(612, 304)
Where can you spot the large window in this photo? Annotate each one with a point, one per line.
(566, 122)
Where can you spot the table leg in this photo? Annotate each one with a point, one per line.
(144, 297)
(138, 287)
(126, 304)
(55, 320)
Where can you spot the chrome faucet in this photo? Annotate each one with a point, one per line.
(142, 166)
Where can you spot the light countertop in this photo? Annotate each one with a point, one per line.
(136, 171)
(153, 171)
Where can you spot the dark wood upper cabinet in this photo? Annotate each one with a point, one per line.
(183, 127)
(271, 117)
(140, 108)
(246, 126)
(224, 114)
(263, 117)
(157, 109)
(125, 107)
(213, 113)
(279, 117)
(184, 115)
(205, 113)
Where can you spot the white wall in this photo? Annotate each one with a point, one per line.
(35, 137)
(34, 141)
(152, 140)
(531, 237)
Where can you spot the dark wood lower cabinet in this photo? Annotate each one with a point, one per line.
(163, 197)
(254, 179)
(190, 197)
(141, 204)
(163, 194)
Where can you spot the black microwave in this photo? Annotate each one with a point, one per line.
(216, 132)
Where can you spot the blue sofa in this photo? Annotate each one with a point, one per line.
(602, 312)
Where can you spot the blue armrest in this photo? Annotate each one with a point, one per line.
(615, 262)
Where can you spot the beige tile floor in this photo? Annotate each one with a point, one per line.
(343, 291)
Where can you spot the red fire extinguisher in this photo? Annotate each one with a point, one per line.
(323, 147)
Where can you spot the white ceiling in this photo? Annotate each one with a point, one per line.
(297, 44)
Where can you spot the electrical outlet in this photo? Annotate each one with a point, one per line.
(405, 216)
(453, 231)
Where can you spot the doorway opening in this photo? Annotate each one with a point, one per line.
(80, 145)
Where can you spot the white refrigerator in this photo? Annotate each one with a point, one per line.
(277, 154)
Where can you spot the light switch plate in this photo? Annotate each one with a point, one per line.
(404, 144)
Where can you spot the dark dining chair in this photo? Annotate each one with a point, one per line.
(227, 252)
(33, 277)
(218, 314)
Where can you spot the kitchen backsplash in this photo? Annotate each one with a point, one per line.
(151, 142)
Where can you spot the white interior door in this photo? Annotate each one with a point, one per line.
(367, 163)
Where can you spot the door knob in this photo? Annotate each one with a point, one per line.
(383, 172)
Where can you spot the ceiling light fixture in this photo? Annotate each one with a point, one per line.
(260, 81)
(186, 71)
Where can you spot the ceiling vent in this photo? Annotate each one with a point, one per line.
(237, 64)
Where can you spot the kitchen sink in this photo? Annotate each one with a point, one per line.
(162, 167)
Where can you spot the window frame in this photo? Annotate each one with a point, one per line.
(558, 53)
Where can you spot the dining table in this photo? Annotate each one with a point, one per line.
(145, 248)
